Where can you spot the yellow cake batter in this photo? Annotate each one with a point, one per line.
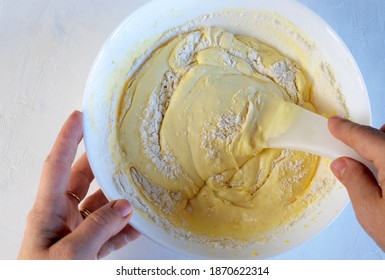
(192, 123)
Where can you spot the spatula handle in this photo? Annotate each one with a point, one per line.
(310, 133)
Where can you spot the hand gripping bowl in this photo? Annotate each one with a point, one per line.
(145, 27)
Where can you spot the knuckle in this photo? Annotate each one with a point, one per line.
(365, 138)
(53, 160)
(354, 171)
(110, 246)
(130, 234)
(107, 249)
(98, 218)
(101, 219)
(358, 131)
(128, 237)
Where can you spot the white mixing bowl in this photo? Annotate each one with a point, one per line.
(134, 36)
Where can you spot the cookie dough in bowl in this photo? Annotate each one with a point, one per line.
(176, 110)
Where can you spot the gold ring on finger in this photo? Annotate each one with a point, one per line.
(85, 212)
(74, 195)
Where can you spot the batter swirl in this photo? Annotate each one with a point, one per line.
(190, 135)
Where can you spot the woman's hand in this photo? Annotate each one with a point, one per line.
(366, 193)
(55, 227)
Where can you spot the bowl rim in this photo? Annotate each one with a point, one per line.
(89, 137)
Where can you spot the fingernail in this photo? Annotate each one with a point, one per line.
(336, 117)
(76, 112)
(123, 207)
(338, 167)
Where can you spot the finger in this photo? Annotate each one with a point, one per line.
(362, 186)
(88, 238)
(126, 235)
(365, 140)
(94, 201)
(57, 167)
(81, 177)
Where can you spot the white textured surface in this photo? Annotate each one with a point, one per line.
(46, 51)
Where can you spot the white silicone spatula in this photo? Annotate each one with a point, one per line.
(309, 133)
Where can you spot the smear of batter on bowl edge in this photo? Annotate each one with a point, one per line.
(192, 122)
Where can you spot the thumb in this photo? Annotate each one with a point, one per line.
(362, 186)
(89, 237)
